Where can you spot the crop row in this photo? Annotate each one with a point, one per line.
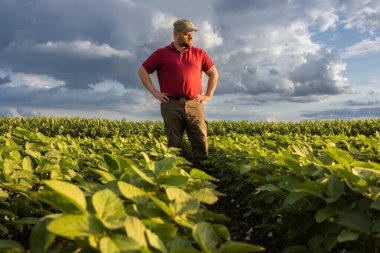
(305, 193)
(62, 194)
(81, 127)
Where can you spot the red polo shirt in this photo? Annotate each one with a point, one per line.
(179, 74)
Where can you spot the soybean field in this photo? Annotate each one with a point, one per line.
(93, 185)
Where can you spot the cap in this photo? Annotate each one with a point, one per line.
(183, 25)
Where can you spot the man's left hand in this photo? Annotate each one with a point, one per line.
(203, 98)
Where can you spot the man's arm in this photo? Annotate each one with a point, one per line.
(147, 82)
(212, 74)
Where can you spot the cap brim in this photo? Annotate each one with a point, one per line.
(190, 30)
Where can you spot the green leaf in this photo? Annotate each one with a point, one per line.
(354, 182)
(136, 230)
(22, 174)
(166, 231)
(4, 229)
(183, 203)
(209, 215)
(268, 187)
(10, 246)
(3, 195)
(184, 221)
(117, 244)
(105, 176)
(133, 193)
(58, 201)
(109, 209)
(293, 197)
(355, 220)
(15, 154)
(376, 204)
(70, 192)
(179, 245)
(172, 180)
(345, 236)
(164, 165)
(376, 226)
(205, 236)
(288, 183)
(291, 163)
(199, 174)
(222, 231)
(27, 164)
(313, 188)
(339, 155)
(335, 188)
(324, 214)
(155, 241)
(233, 247)
(315, 241)
(296, 249)
(164, 207)
(75, 225)
(29, 220)
(112, 163)
(143, 175)
(183, 250)
(205, 195)
(41, 238)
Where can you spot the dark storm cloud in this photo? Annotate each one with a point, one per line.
(64, 98)
(5, 80)
(317, 77)
(5, 112)
(347, 113)
(362, 103)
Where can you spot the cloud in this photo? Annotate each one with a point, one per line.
(320, 75)
(366, 47)
(81, 48)
(347, 113)
(362, 103)
(372, 92)
(124, 102)
(5, 80)
(361, 15)
(6, 112)
(208, 38)
(85, 55)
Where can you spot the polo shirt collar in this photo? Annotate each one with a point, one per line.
(174, 48)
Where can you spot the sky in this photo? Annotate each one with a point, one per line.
(278, 60)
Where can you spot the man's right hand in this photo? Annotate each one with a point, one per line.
(162, 97)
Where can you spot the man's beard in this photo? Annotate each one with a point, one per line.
(185, 43)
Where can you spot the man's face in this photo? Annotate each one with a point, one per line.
(185, 39)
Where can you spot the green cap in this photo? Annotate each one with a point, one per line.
(184, 26)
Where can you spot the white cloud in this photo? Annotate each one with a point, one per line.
(208, 39)
(363, 15)
(363, 48)
(84, 48)
(32, 80)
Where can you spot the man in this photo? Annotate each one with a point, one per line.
(179, 69)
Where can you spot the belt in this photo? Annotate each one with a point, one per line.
(180, 98)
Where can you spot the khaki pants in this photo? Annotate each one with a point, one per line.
(186, 115)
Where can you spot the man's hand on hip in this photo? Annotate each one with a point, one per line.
(203, 98)
(162, 97)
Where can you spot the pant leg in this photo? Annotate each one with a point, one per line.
(196, 129)
(173, 114)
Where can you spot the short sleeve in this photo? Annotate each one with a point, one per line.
(152, 63)
(207, 63)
